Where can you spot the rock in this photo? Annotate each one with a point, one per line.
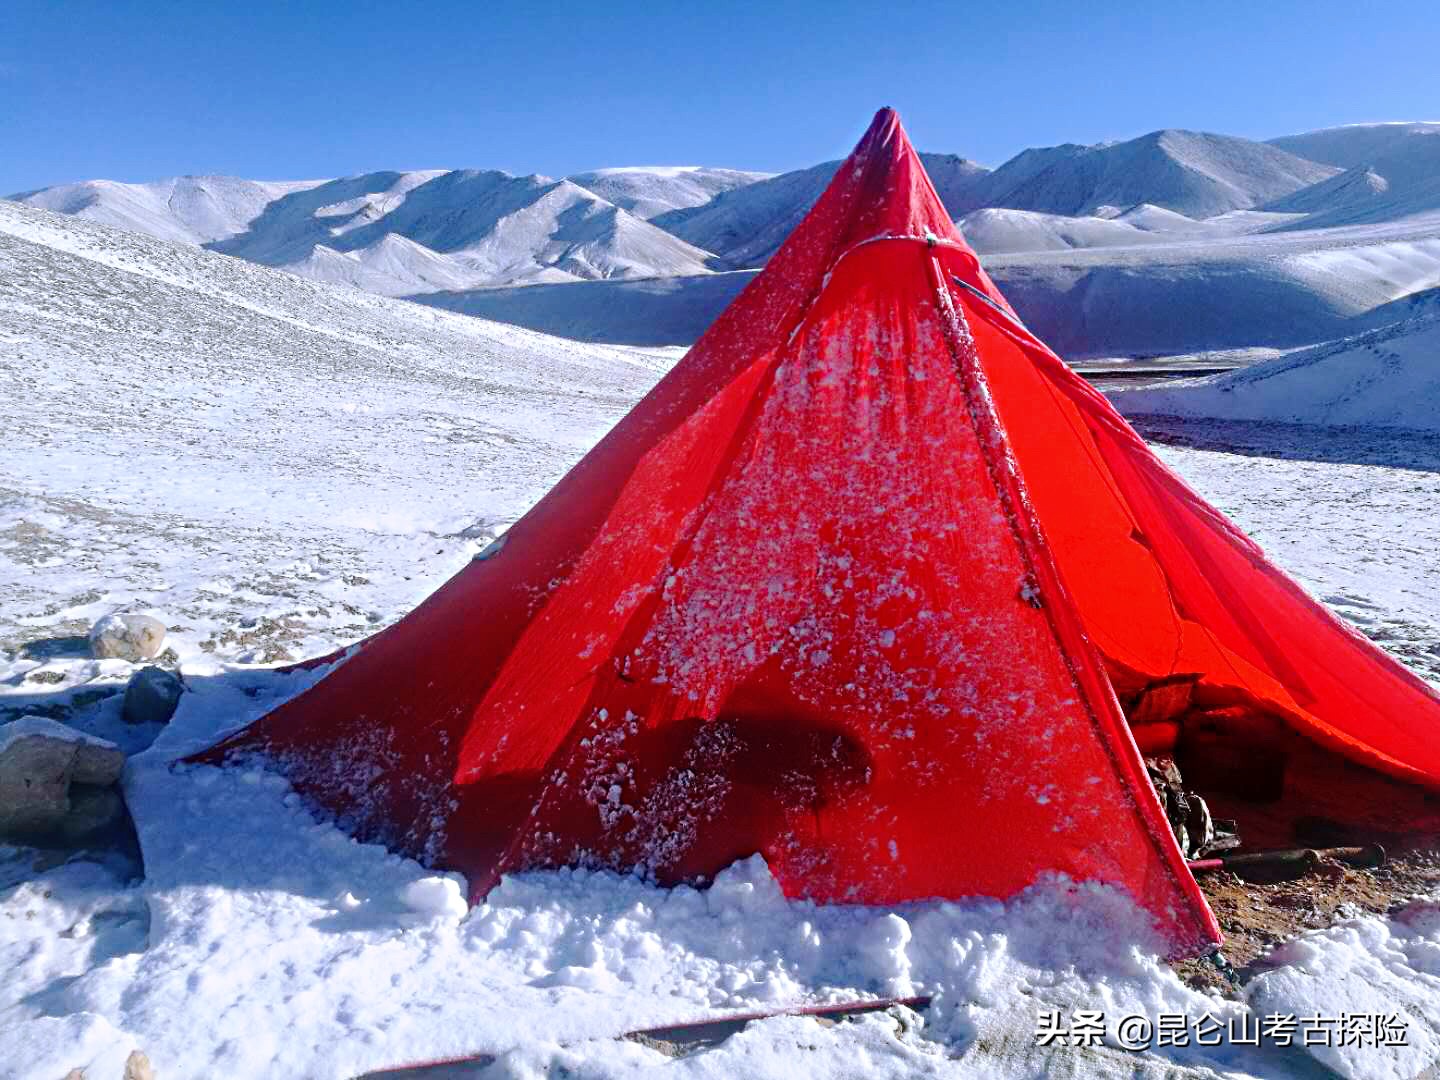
(127, 637)
(97, 763)
(34, 783)
(39, 760)
(92, 810)
(138, 1067)
(152, 696)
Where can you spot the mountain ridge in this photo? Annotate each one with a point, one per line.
(1348, 145)
(1176, 215)
(745, 226)
(1198, 174)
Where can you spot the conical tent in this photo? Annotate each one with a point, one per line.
(854, 587)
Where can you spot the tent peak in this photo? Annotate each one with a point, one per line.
(884, 128)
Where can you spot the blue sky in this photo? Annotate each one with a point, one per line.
(136, 91)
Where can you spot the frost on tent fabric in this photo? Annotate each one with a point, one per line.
(872, 585)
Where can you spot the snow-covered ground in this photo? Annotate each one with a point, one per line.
(163, 395)
(277, 468)
(1388, 378)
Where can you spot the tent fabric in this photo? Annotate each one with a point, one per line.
(1166, 584)
(854, 587)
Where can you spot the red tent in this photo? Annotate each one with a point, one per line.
(868, 584)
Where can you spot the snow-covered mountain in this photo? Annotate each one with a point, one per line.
(1270, 289)
(288, 228)
(1000, 231)
(1159, 244)
(1352, 144)
(1197, 174)
(1223, 283)
(649, 191)
(746, 225)
(191, 209)
(1398, 178)
(464, 228)
(1354, 186)
(1130, 276)
(1385, 378)
(144, 350)
(396, 233)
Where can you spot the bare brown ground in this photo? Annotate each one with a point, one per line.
(1257, 915)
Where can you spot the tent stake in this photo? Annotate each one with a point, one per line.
(1370, 855)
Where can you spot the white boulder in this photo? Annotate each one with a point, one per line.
(124, 636)
(39, 760)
